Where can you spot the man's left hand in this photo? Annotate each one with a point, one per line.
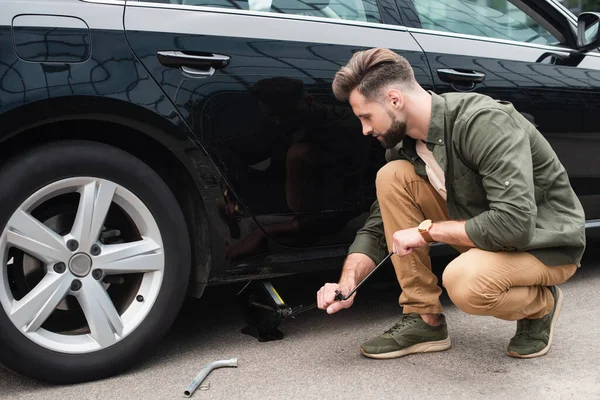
(406, 240)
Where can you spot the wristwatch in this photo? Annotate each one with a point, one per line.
(424, 228)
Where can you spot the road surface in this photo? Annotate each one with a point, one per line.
(319, 357)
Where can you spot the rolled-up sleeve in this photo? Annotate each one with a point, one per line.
(370, 239)
(498, 146)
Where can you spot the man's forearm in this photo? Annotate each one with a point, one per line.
(356, 267)
(452, 233)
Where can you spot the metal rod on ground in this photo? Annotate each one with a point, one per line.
(204, 373)
(341, 297)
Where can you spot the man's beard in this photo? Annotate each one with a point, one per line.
(394, 134)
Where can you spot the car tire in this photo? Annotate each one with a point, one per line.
(54, 357)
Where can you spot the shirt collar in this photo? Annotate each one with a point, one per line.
(435, 134)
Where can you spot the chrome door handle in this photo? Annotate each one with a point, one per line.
(200, 65)
(455, 76)
(197, 72)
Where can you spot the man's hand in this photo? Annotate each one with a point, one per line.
(326, 297)
(356, 267)
(406, 240)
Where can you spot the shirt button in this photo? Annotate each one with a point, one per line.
(440, 140)
(506, 183)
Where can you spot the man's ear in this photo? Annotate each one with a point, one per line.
(395, 99)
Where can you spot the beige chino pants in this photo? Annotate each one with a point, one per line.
(506, 285)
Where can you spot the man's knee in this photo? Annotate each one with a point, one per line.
(467, 287)
(392, 174)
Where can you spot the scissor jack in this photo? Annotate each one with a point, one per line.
(264, 309)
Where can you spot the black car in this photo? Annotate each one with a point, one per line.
(152, 148)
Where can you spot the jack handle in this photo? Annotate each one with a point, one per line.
(340, 297)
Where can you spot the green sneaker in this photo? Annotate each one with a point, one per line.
(534, 336)
(410, 335)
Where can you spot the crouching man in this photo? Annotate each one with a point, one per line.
(472, 172)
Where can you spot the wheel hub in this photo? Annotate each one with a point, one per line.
(80, 264)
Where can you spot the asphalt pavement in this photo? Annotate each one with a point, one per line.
(319, 359)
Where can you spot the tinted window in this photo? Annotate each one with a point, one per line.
(355, 10)
(490, 18)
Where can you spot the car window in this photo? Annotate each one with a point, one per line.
(354, 10)
(490, 18)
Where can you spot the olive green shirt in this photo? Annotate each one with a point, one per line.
(502, 178)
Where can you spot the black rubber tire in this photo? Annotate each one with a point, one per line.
(19, 179)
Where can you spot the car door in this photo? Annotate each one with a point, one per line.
(253, 80)
(524, 52)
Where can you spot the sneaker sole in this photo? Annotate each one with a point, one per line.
(559, 303)
(427, 347)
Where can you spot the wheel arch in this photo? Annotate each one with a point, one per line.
(168, 148)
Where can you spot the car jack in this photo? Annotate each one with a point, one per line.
(264, 309)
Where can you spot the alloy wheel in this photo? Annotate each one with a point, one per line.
(73, 288)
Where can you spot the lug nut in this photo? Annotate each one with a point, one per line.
(72, 245)
(76, 285)
(97, 274)
(95, 250)
(60, 267)
(140, 298)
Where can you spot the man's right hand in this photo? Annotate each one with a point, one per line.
(356, 267)
(326, 297)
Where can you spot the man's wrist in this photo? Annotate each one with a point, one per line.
(452, 233)
(424, 229)
(438, 232)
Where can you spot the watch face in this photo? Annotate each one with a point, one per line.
(423, 226)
